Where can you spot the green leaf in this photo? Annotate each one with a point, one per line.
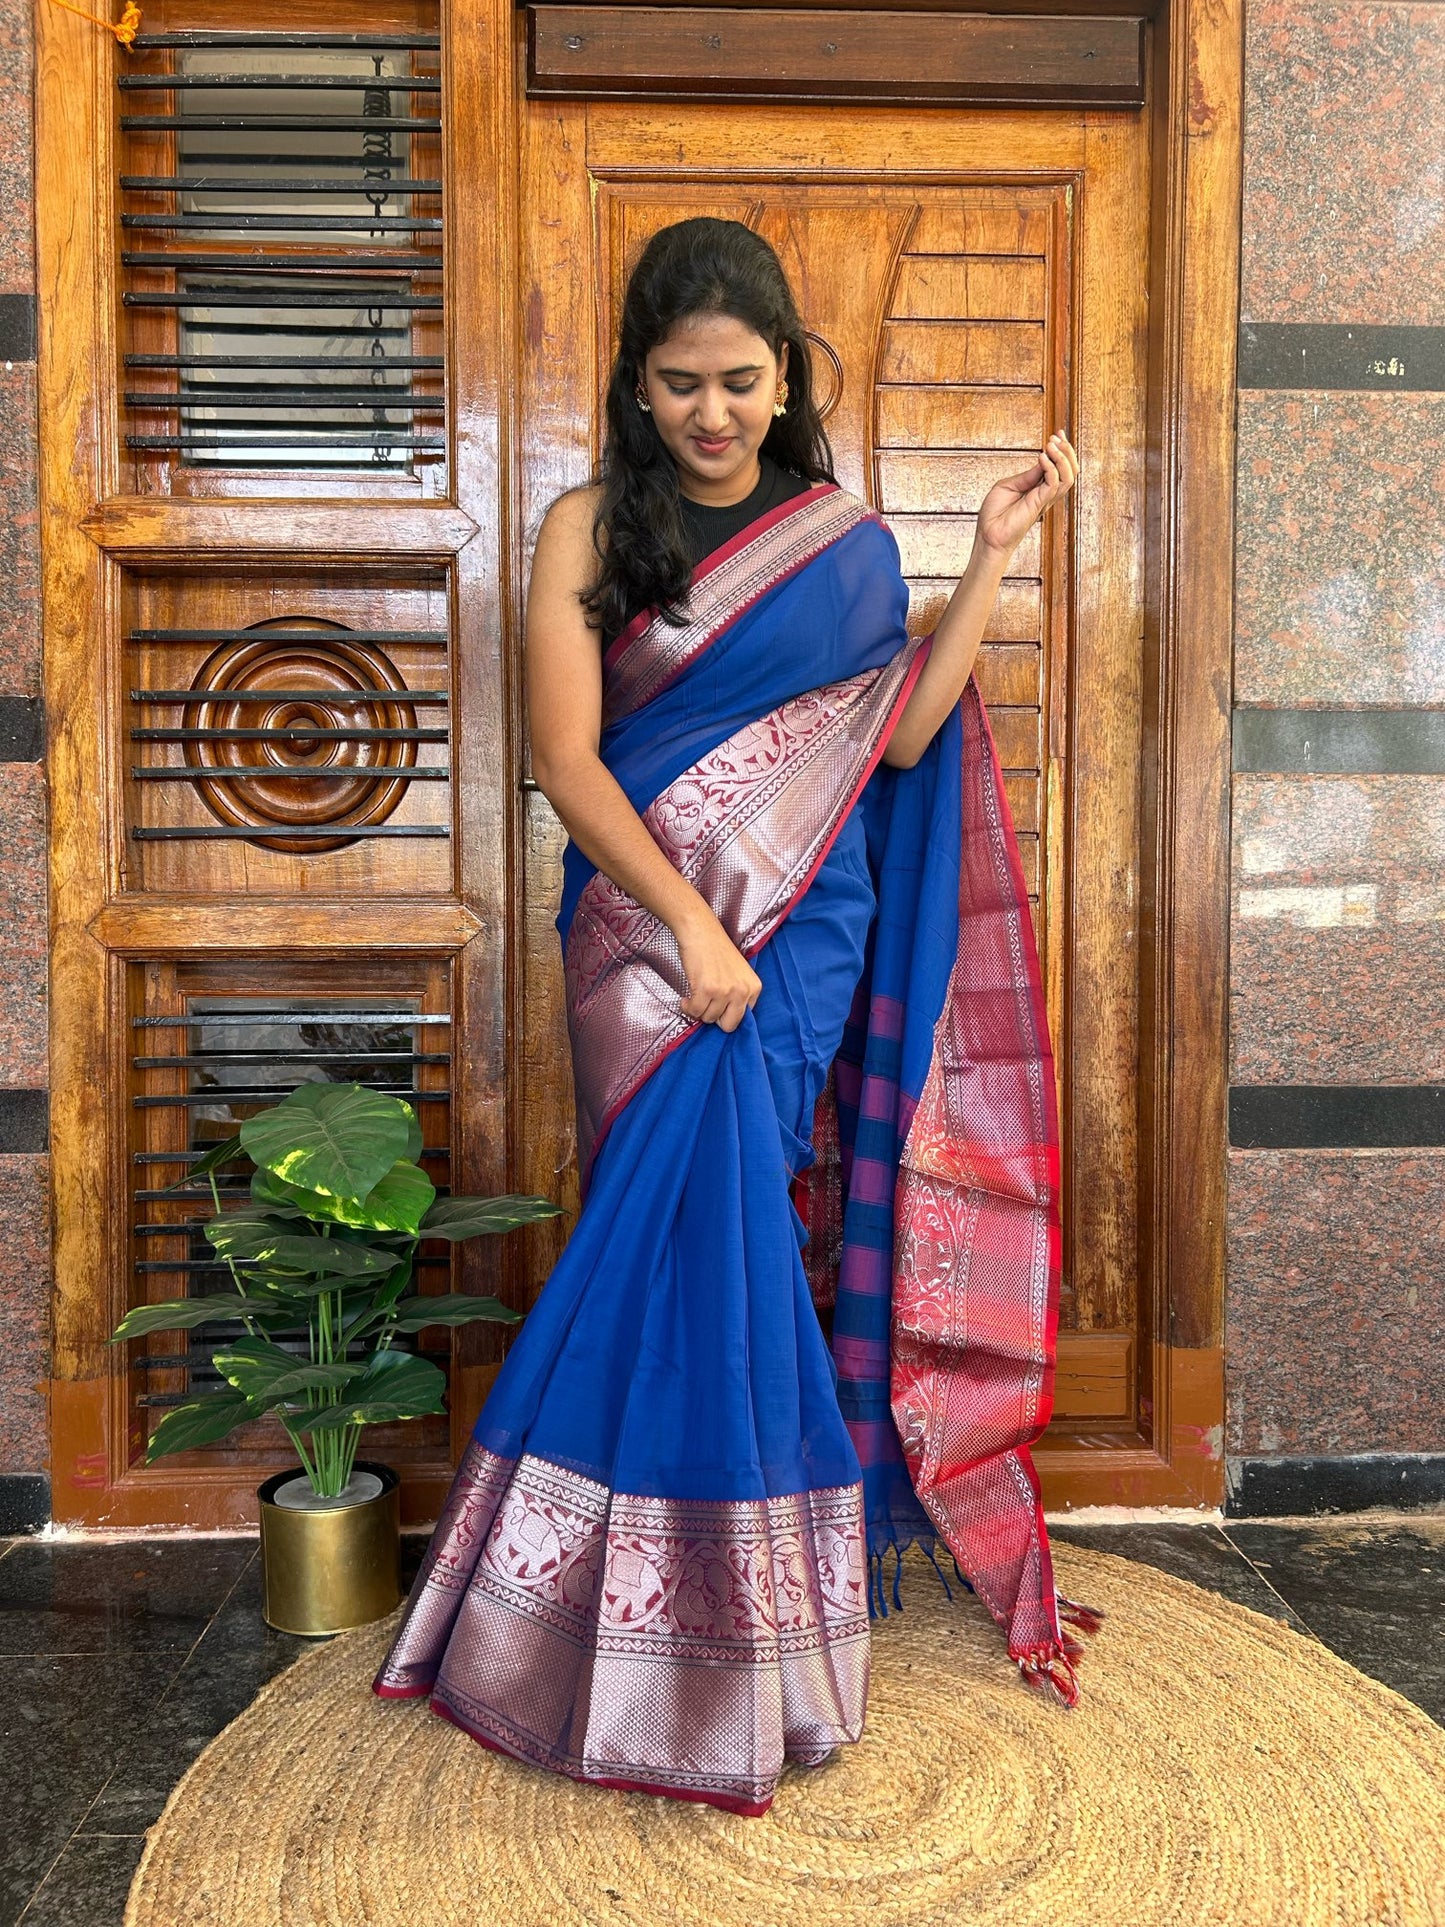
(201, 1422)
(398, 1385)
(458, 1218)
(251, 1237)
(179, 1314)
(452, 1308)
(282, 1200)
(266, 1374)
(414, 1140)
(218, 1155)
(397, 1203)
(338, 1139)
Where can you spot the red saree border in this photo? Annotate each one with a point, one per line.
(622, 966)
(652, 653)
(978, 1245)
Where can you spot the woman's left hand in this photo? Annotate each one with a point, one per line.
(1015, 503)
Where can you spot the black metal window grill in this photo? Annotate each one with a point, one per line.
(200, 1073)
(281, 224)
(297, 734)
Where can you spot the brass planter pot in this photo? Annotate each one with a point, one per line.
(324, 1572)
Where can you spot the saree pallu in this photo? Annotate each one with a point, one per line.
(658, 1559)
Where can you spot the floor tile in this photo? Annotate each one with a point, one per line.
(66, 1596)
(64, 1720)
(217, 1680)
(1373, 1592)
(1201, 1554)
(87, 1886)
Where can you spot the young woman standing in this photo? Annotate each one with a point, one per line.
(793, 921)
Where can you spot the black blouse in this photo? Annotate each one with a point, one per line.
(709, 527)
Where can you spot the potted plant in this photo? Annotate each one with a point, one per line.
(339, 1205)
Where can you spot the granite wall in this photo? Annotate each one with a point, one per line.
(24, 1214)
(1336, 1270)
(1336, 1372)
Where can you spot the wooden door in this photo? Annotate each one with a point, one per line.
(292, 827)
(969, 279)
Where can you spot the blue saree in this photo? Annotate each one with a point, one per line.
(658, 1558)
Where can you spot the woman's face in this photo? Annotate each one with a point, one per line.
(712, 384)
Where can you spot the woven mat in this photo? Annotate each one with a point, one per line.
(1218, 1768)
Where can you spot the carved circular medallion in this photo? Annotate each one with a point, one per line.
(827, 373)
(332, 683)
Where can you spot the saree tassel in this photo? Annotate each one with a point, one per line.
(1088, 1619)
(877, 1604)
(928, 1554)
(898, 1577)
(1049, 1668)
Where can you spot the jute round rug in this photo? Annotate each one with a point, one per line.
(1219, 1768)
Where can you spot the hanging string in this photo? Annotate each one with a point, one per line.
(125, 29)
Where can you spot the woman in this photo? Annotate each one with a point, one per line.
(800, 970)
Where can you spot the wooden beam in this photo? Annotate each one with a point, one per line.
(799, 54)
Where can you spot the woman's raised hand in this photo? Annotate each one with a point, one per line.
(1015, 503)
(722, 984)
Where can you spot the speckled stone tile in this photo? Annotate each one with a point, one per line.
(1344, 181)
(23, 927)
(24, 1317)
(1339, 548)
(88, 1596)
(1337, 934)
(89, 1884)
(63, 1720)
(17, 230)
(1333, 1339)
(19, 534)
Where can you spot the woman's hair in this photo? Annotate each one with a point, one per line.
(696, 267)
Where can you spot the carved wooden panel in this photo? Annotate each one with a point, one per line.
(945, 305)
(287, 733)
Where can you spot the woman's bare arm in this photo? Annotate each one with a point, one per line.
(563, 679)
(1005, 516)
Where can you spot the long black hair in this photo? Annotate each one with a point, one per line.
(694, 267)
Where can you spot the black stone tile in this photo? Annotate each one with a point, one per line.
(74, 1596)
(17, 327)
(216, 1682)
(88, 1885)
(64, 1719)
(1340, 742)
(24, 1121)
(147, 1767)
(1200, 1554)
(1278, 1117)
(1280, 1488)
(24, 1501)
(22, 730)
(1373, 1592)
(1324, 354)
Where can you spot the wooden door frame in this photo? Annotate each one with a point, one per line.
(88, 528)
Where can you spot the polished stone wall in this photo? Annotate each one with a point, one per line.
(1336, 1273)
(24, 1216)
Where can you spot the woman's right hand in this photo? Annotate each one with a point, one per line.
(722, 984)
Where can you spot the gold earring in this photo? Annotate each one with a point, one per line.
(642, 402)
(782, 401)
